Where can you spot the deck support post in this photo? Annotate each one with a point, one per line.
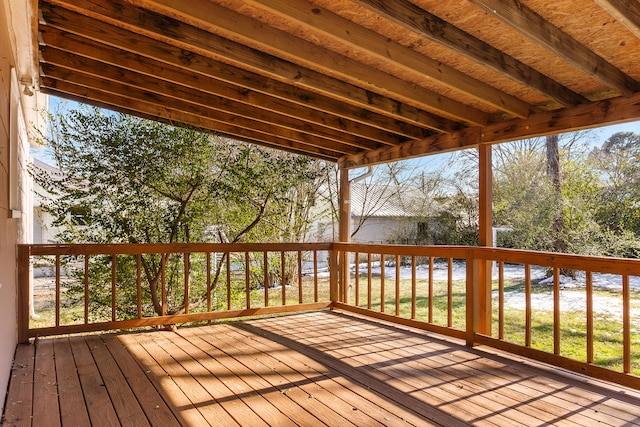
(24, 278)
(485, 239)
(344, 232)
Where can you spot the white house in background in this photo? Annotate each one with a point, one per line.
(43, 229)
(384, 213)
(388, 213)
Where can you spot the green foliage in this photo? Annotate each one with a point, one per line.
(524, 197)
(597, 203)
(619, 164)
(130, 180)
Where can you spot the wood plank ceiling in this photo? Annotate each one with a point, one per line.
(357, 82)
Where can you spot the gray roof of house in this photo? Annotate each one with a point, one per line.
(381, 200)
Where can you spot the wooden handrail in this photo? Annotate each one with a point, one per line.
(165, 248)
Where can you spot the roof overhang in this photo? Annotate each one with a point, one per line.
(20, 18)
(359, 82)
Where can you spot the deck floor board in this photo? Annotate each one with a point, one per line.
(312, 369)
(47, 390)
(99, 405)
(73, 410)
(124, 401)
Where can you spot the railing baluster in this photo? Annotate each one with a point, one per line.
(450, 292)
(283, 277)
(527, 305)
(57, 290)
(589, 286)
(357, 297)
(556, 310)
(501, 300)
(138, 285)
(299, 277)
(208, 281)
(315, 276)
(247, 279)
(185, 259)
(267, 282)
(113, 287)
(333, 275)
(163, 279)
(430, 289)
(86, 289)
(346, 280)
(626, 324)
(382, 283)
(413, 287)
(228, 280)
(369, 280)
(397, 285)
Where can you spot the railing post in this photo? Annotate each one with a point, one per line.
(344, 233)
(24, 281)
(485, 239)
(333, 275)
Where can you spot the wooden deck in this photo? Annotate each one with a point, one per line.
(317, 368)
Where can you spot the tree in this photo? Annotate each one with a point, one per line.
(619, 162)
(617, 199)
(139, 181)
(530, 194)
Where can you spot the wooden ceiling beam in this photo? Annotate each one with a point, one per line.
(142, 52)
(524, 20)
(235, 26)
(213, 106)
(625, 11)
(439, 31)
(145, 110)
(150, 68)
(442, 143)
(195, 41)
(316, 19)
(225, 122)
(599, 113)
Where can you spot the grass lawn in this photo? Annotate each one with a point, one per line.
(608, 347)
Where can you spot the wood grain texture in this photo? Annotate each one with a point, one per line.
(625, 11)
(525, 20)
(236, 26)
(440, 31)
(316, 368)
(313, 18)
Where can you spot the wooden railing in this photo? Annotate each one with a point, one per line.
(516, 301)
(523, 302)
(103, 287)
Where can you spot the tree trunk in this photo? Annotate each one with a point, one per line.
(553, 161)
(553, 171)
